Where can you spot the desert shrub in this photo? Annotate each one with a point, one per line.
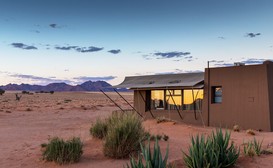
(252, 148)
(163, 119)
(165, 137)
(25, 92)
(2, 91)
(61, 151)
(152, 159)
(250, 132)
(124, 133)
(236, 128)
(99, 129)
(213, 151)
(51, 92)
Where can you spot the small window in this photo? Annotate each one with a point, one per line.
(217, 94)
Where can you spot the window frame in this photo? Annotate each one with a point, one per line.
(214, 96)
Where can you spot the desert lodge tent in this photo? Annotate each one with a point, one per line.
(222, 96)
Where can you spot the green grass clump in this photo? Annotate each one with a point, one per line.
(62, 152)
(253, 148)
(124, 133)
(99, 129)
(152, 159)
(211, 152)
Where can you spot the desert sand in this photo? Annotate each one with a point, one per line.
(26, 124)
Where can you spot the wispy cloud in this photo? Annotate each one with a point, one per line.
(24, 46)
(173, 54)
(82, 79)
(247, 61)
(39, 80)
(56, 26)
(252, 35)
(66, 47)
(115, 51)
(53, 25)
(177, 55)
(88, 49)
(255, 61)
(221, 37)
(79, 49)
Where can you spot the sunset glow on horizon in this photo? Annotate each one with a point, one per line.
(49, 41)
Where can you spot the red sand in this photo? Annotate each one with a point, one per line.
(26, 124)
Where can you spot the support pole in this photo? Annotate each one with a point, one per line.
(175, 105)
(145, 104)
(208, 94)
(194, 107)
(112, 100)
(128, 103)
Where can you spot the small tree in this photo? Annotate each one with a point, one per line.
(2, 91)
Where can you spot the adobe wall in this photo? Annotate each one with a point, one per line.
(245, 97)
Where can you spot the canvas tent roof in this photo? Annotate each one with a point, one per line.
(195, 80)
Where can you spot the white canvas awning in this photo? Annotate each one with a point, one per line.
(183, 80)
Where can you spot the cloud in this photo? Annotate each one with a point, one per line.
(40, 80)
(24, 46)
(53, 25)
(79, 49)
(249, 61)
(88, 49)
(82, 79)
(66, 48)
(114, 51)
(221, 37)
(252, 35)
(255, 61)
(169, 55)
(56, 26)
(174, 54)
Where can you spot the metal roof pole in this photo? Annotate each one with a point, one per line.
(112, 100)
(128, 103)
(145, 104)
(175, 105)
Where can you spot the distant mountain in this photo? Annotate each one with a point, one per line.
(62, 87)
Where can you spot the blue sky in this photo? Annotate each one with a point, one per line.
(45, 41)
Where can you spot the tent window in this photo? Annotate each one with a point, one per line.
(192, 99)
(173, 97)
(157, 100)
(216, 94)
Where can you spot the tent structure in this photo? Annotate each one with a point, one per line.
(184, 80)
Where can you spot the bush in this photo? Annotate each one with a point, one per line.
(253, 148)
(124, 133)
(152, 160)
(2, 91)
(61, 151)
(213, 151)
(250, 132)
(99, 129)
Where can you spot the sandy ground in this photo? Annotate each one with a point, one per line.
(26, 124)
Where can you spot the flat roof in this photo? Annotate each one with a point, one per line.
(186, 80)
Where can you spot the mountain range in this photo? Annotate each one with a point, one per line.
(62, 87)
